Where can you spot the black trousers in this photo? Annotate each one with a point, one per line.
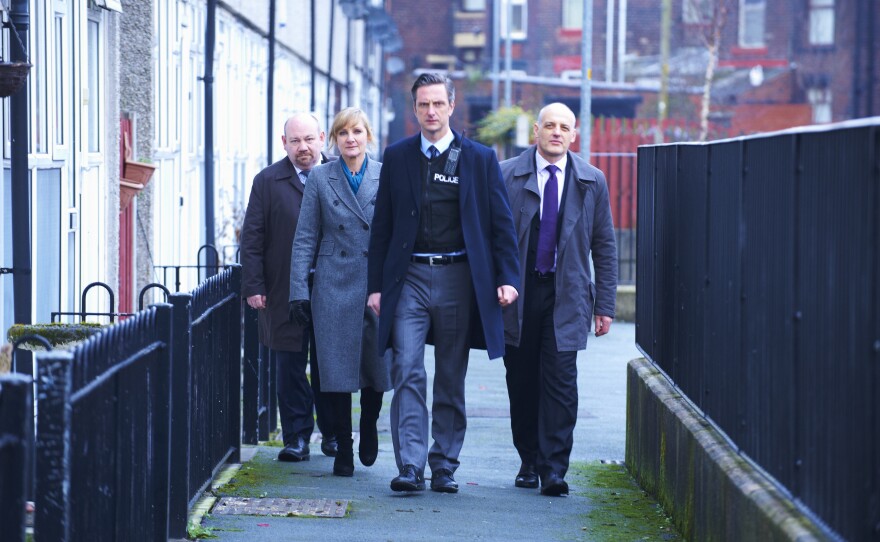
(339, 409)
(541, 385)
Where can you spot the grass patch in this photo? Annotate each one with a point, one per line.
(257, 478)
(620, 510)
(196, 532)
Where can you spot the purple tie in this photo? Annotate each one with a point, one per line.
(547, 234)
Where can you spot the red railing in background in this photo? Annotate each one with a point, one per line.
(613, 149)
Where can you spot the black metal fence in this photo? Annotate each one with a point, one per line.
(758, 294)
(103, 434)
(134, 423)
(16, 412)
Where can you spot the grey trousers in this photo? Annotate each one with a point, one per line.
(438, 299)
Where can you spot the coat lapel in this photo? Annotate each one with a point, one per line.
(576, 180)
(339, 184)
(412, 159)
(525, 167)
(369, 185)
(288, 173)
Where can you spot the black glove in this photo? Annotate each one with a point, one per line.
(300, 312)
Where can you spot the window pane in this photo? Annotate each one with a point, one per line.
(474, 5)
(94, 89)
(822, 26)
(573, 14)
(60, 84)
(47, 244)
(752, 23)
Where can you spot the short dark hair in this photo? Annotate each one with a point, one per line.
(427, 79)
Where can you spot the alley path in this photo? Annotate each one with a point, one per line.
(488, 506)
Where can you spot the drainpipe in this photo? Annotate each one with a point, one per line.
(857, 90)
(270, 86)
(330, 41)
(872, 59)
(21, 186)
(587, 78)
(312, 57)
(210, 39)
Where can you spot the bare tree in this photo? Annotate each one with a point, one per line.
(713, 14)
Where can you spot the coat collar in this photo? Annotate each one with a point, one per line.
(339, 184)
(283, 170)
(578, 177)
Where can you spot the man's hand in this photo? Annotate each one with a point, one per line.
(603, 325)
(507, 295)
(300, 312)
(374, 301)
(257, 301)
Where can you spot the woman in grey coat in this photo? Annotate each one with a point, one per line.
(332, 235)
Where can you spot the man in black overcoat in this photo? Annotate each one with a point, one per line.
(266, 241)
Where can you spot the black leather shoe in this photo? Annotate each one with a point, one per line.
(527, 477)
(297, 450)
(410, 479)
(329, 446)
(443, 482)
(368, 449)
(344, 463)
(553, 485)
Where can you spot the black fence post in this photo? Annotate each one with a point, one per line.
(271, 387)
(181, 320)
(251, 381)
(233, 334)
(162, 519)
(52, 514)
(16, 415)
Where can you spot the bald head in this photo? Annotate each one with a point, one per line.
(555, 131)
(303, 140)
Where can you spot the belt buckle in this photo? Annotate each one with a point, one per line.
(435, 260)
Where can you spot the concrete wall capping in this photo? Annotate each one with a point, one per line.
(711, 491)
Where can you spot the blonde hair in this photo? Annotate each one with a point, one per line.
(349, 117)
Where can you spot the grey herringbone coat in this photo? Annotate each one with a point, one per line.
(334, 224)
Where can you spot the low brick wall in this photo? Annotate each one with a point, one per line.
(711, 492)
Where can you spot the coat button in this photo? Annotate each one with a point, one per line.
(341, 227)
(365, 253)
(366, 227)
(404, 245)
(343, 254)
(336, 202)
(413, 213)
(396, 279)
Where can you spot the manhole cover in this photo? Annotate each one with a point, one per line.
(244, 506)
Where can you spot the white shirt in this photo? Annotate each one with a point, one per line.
(442, 144)
(544, 176)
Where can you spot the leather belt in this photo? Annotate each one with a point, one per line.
(439, 260)
(543, 277)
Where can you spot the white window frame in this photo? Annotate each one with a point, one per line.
(752, 12)
(521, 33)
(696, 11)
(473, 5)
(572, 14)
(821, 22)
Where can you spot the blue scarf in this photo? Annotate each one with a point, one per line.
(354, 180)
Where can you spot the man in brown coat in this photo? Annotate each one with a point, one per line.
(266, 240)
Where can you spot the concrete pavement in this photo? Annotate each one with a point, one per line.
(487, 507)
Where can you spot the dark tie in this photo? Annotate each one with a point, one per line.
(433, 152)
(547, 234)
(304, 175)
